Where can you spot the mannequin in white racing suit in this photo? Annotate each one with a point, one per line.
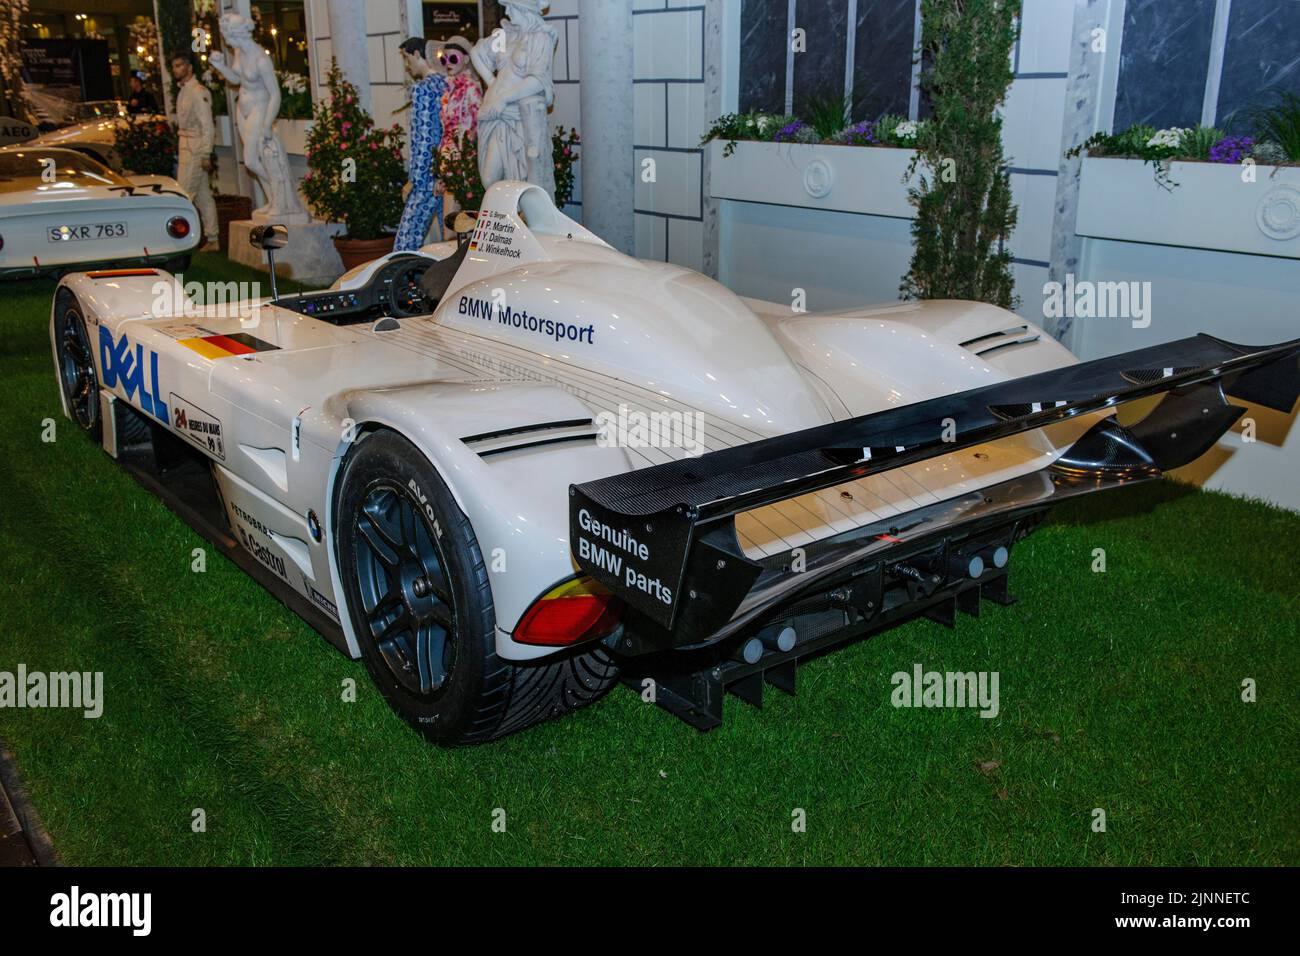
(195, 132)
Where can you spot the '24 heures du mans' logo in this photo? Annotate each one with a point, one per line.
(122, 363)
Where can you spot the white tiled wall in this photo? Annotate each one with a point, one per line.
(1032, 119)
(567, 111)
(668, 118)
(668, 121)
(386, 28)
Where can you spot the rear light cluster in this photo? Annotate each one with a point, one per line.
(178, 227)
(572, 612)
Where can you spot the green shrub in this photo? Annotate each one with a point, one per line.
(1280, 124)
(964, 209)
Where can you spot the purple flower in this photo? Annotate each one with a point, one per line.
(788, 131)
(859, 133)
(1231, 149)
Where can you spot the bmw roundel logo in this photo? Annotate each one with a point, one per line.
(313, 525)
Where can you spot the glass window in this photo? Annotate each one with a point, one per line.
(25, 169)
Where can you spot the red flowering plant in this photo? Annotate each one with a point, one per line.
(458, 168)
(355, 171)
(146, 146)
(458, 171)
(564, 148)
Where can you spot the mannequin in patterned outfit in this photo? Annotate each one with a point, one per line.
(424, 201)
(461, 101)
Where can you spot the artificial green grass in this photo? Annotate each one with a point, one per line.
(1119, 690)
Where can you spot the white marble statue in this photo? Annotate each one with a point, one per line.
(514, 140)
(251, 70)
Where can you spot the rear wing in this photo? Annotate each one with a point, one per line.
(663, 538)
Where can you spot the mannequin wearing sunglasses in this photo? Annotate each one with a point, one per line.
(461, 101)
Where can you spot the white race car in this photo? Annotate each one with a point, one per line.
(504, 471)
(61, 210)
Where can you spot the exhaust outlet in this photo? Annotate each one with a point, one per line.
(779, 638)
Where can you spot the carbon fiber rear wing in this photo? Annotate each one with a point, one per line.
(663, 538)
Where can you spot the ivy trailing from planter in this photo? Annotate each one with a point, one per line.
(963, 199)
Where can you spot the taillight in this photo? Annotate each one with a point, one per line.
(178, 227)
(2, 243)
(572, 612)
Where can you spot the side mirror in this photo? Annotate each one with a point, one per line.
(268, 237)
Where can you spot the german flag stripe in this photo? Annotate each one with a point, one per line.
(224, 346)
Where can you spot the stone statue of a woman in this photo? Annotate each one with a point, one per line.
(515, 62)
(251, 70)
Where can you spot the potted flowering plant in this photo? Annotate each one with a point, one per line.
(355, 173)
(458, 171)
(145, 146)
(458, 168)
(295, 96)
(1230, 192)
(564, 150)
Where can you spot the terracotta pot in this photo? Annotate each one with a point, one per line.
(230, 208)
(357, 252)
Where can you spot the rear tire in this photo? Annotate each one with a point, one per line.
(420, 604)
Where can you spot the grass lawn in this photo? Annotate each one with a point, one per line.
(1119, 690)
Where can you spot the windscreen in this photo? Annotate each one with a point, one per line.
(50, 170)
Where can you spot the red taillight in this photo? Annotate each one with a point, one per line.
(573, 612)
(178, 227)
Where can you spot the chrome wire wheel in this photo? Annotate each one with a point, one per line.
(77, 368)
(407, 602)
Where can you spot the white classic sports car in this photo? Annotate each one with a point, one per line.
(93, 131)
(61, 210)
(507, 470)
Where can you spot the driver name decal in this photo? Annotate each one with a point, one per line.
(526, 321)
(495, 235)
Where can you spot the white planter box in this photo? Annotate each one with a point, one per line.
(221, 127)
(1210, 208)
(293, 133)
(858, 179)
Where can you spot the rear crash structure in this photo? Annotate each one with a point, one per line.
(703, 618)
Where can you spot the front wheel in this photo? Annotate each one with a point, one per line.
(420, 604)
(76, 363)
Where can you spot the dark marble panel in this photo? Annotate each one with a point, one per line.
(882, 58)
(762, 54)
(819, 72)
(1262, 56)
(1164, 59)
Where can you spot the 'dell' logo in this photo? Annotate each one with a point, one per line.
(121, 364)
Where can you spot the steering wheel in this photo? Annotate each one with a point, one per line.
(405, 297)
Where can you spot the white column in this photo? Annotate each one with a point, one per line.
(608, 165)
(348, 44)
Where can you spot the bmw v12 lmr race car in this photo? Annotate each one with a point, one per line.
(508, 470)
